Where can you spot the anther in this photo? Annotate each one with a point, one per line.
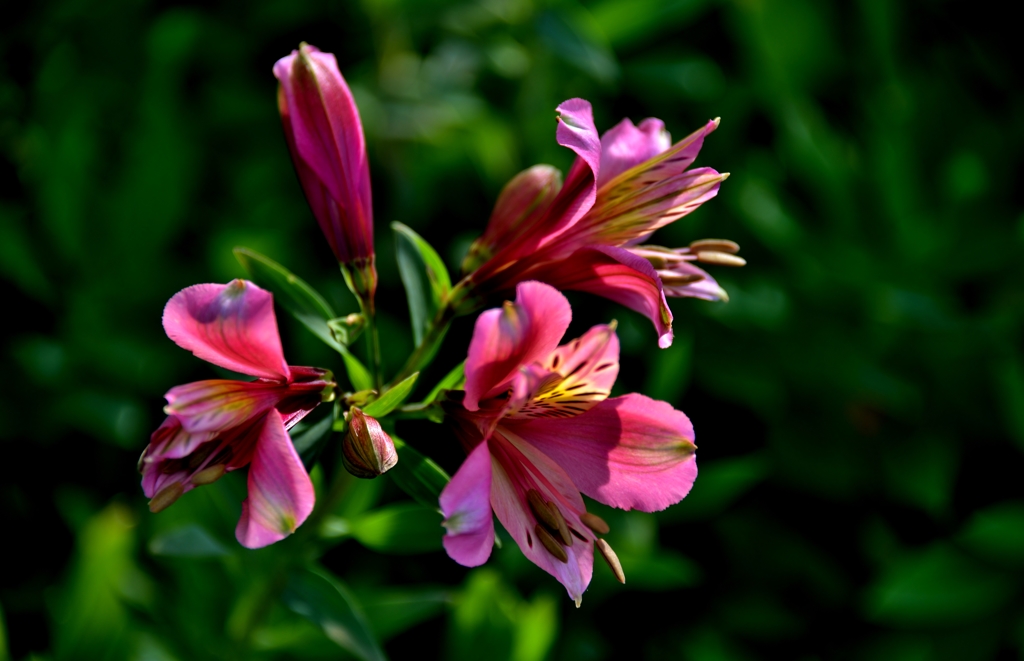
(166, 497)
(595, 523)
(679, 279)
(563, 527)
(209, 475)
(715, 245)
(549, 542)
(540, 509)
(613, 560)
(720, 258)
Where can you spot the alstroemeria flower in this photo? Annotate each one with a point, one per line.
(222, 425)
(539, 428)
(325, 136)
(581, 235)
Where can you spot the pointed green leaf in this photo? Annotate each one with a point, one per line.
(358, 375)
(309, 442)
(453, 380)
(391, 399)
(190, 541)
(424, 275)
(325, 601)
(400, 528)
(418, 475)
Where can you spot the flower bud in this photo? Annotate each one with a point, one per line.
(367, 450)
(325, 136)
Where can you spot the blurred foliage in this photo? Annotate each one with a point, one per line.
(859, 403)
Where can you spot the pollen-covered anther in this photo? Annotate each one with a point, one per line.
(550, 543)
(715, 245)
(166, 497)
(549, 515)
(670, 279)
(595, 523)
(720, 258)
(613, 560)
(209, 475)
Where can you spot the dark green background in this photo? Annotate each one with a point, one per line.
(859, 404)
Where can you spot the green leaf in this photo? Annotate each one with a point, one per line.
(401, 528)
(391, 399)
(453, 380)
(308, 443)
(424, 275)
(358, 375)
(997, 533)
(325, 601)
(190, 541)
(391, 611)
(301, 300)
(418, 475)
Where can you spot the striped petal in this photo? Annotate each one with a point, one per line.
(630, 452)
(512, 336)
(280, 492)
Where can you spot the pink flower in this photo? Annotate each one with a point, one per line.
(221, 425)
(325, 136)
(581, 235)
(539, 428)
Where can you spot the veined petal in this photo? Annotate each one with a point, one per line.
(171, 441)
(507, 338)
(630, 452)
(466, 505)
(230, 325)
(327, 135)
(518, 468)
(625, 146)
(572, 379)
(616, 274)
(678, 282)
(216, 405)
(280, 492)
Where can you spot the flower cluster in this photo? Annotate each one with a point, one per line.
(534, 416)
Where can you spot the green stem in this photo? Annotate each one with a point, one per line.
(428, 347)
(373, 342)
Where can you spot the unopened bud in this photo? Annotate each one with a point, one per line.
(367, 450)
(346, 329)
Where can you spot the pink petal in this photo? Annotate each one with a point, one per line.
(519, 467)
(616, 274)
(572, 379)
(507, 338)
(216, 405)
(230, 325)
(327, 136)
(625, 146)
(171, 441)
(466, 505)
(280, 492)
(630, 452)
(629, 209)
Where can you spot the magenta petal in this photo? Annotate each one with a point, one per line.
(630, 452)
(706, 288)
(171, 441)
(619, 275)
(218, 404)
(510, 337)
(280, 492)
(230, 325)
(625, 146)
(466, 505)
